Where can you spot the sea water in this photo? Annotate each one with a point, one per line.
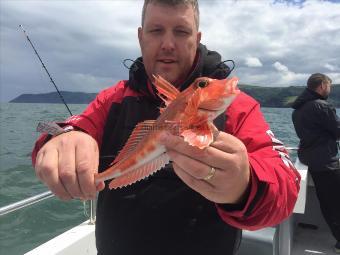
(25, 229)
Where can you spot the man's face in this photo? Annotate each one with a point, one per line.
(168, 40)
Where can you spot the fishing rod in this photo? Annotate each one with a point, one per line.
(43, 65)
(48, 194)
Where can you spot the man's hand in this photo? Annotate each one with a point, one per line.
(227, 155)
(67, 163)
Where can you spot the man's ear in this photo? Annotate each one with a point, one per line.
(140, 35)
(198, 38)
(320, 88)
(323, 85)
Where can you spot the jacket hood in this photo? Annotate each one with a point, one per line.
(306, 96)
(208, 64)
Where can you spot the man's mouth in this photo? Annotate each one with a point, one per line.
(167, 61)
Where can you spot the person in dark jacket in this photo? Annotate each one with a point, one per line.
(200, 202)
(318, 127)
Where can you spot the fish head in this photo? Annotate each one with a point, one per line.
(215, 95)
(208, 99)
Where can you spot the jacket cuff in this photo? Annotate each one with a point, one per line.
(81, 123)
(46, 135)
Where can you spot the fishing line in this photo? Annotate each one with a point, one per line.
(43, 65)
(60, 95)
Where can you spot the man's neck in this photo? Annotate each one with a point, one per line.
(182, 79)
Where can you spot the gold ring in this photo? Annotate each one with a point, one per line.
(210, 174)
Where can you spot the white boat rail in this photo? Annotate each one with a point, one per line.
(291, 148)
(39, 198)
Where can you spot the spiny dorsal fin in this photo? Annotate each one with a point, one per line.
(166, 90)
(140, 131)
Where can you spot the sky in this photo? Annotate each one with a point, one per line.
(83, 43)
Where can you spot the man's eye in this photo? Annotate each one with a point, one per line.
(155, 31)
(181, 32)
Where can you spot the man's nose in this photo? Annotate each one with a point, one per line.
(168, 42)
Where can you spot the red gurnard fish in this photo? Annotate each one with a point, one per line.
(188, 113)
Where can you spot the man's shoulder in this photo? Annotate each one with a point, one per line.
(115, 88)
(118, 91)
(241, 106)
(244, 100)
(322, 104)
(317, 106)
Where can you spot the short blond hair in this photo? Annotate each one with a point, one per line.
(192, 3)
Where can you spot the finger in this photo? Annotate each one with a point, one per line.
(176, 143)
(101, 185)
(48, 169)
(191, 166)
(85, 166)
(200, 186)
(227, 143)
(67, 169)
(210, 156)
(38, 162)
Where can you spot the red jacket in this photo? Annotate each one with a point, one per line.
(274, 180)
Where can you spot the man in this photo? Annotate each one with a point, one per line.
(185, 208)
(318, 127)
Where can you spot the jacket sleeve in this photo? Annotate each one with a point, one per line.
(274, 183)
(92, 120)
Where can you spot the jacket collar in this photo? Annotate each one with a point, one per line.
(306, 96)
(207, 63)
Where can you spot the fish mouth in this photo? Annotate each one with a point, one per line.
(213, 105)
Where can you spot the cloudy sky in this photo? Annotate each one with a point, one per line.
(83, 43)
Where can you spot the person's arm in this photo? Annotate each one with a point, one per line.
(92, 120)
(274, 184)
(330, 120)
(67, 162)
(245, 171)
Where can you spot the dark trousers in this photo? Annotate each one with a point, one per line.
(327, 185)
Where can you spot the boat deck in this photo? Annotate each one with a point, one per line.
(308, 240)
(312, 241)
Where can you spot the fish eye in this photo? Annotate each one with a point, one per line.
(202, 84)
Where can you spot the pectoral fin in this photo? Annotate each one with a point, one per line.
(199, 136)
